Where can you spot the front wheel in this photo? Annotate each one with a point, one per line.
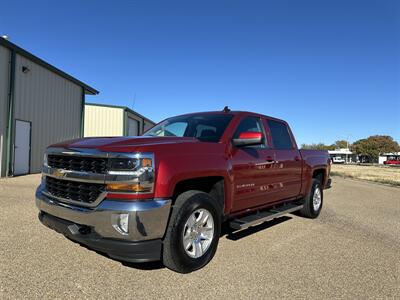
(313, 201)
(193, 232)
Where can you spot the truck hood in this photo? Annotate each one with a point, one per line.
(122, 143)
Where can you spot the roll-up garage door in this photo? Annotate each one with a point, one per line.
(133, 127)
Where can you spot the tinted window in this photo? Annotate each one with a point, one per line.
(280, 135)
(250, 124)
(175, 129)
(205, 130)
(205, 127)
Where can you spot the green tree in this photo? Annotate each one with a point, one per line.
(319, 146)
(375, 145)
(340, 144)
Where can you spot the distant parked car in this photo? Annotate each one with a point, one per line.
(338, 160)
(392, 162)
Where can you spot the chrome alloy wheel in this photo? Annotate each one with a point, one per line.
(317, 199)
(198, 233)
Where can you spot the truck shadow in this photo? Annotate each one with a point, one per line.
(237, 235)
(147, 266)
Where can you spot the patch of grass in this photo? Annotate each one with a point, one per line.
(379, 174)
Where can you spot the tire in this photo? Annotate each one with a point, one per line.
(187, 205)
(309, 210)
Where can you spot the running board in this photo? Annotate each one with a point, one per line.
(263, 216)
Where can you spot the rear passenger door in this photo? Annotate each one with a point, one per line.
(288, 163)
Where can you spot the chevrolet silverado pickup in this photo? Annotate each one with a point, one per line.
(166, 194)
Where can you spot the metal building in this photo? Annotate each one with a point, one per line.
(111, 120)
(39, 105)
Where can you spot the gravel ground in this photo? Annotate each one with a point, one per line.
(350, 251)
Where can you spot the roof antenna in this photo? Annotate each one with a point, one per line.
(226, 109)
(134, 100)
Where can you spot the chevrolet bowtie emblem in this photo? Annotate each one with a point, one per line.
(59, 173)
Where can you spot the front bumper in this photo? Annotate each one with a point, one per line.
(118, 249)
(97, 227)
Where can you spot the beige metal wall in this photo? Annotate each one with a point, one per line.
(147, 125)
(4, 83)
(138, 119)
(141, 121)
(103, 121)
(52, 103)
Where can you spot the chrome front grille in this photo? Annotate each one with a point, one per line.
(83, 192)
(79, 175)
(78, 163)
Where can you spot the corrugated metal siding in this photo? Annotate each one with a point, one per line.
(103, 121)
(4, 82)
(147, 125)
(52, 103)
(138, 119)
(133, 127)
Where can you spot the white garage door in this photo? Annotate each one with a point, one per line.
(133, 127)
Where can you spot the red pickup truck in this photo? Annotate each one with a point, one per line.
(166, 194)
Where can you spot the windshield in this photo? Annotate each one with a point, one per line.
(204, 127)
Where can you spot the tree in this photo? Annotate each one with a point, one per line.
(375, 145)
(341, 144)
(319, 146)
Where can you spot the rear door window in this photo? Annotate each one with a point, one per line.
(280, 135)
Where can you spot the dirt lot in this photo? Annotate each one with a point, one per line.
(382, 174)
(351, 251)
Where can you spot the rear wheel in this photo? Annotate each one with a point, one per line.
(193, 232)
(313, 201)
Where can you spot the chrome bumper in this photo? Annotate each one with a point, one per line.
(147, 219)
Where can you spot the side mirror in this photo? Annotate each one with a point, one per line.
(249, 138)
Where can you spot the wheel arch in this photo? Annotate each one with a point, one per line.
(212, 185)
(319, 174)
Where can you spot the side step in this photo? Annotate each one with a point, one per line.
(263, 216)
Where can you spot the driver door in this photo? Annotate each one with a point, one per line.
(252, 167)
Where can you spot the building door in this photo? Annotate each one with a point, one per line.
(133, 127)
(22, 147)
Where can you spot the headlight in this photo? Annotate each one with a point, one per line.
(131, 174)
(129, 165)
(126, 164)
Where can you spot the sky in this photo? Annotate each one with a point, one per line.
(329, 68)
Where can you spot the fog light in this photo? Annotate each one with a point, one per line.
(124, 222)
(121, 223)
